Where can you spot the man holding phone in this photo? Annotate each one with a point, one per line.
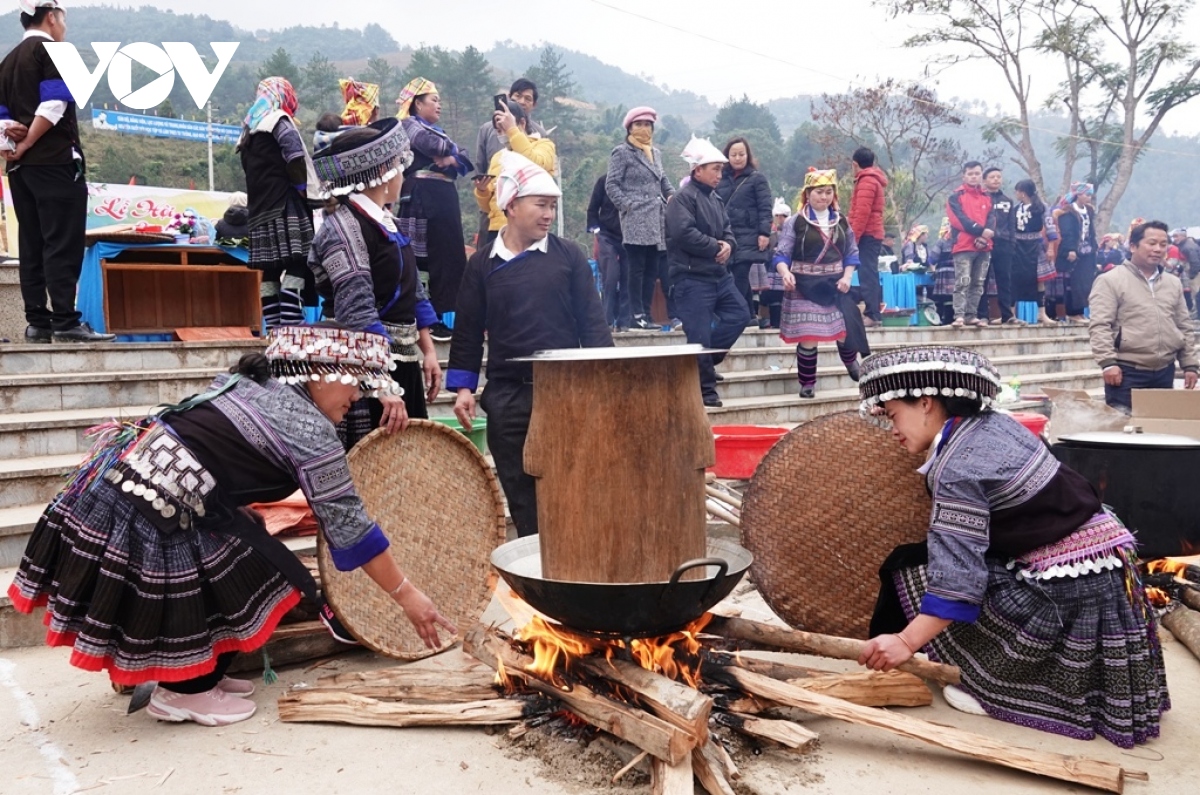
(524, 93)
(511, 125)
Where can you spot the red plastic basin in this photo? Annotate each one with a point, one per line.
(741, 447)
(1036, 423)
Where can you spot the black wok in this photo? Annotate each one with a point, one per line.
(634, 610)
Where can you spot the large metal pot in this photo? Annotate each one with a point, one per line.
(1148, 480)
(635, 610)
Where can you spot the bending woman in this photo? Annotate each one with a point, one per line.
(1026, 582)
(148, 563)
(815, 259)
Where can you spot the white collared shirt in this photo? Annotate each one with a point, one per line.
(500, 250)
(374, 211)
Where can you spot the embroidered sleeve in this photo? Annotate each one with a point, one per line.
(958, 539)
(339, 258)
(850, 255)
(787, 242)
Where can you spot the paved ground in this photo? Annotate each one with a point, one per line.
(64, 731)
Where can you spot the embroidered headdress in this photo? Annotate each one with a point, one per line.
(1080, 189)
(927, 370)
(520, 176)
(361, 101)
(916, 232)
(701, 152)
(318, 353)
(819, 178)
(348, 164)
(416, 87)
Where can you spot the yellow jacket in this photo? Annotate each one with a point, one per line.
(540, 150)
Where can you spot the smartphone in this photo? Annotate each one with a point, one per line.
(500, 102)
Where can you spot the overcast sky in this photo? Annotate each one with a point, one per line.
(764, 48)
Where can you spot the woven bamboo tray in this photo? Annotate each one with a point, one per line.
(827, 505)
(439, 504)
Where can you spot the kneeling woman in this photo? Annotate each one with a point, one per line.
(1026, 582)
(147, 563)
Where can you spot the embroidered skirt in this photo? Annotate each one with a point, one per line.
(1072, 655)
(141, 603)
(806, 322)
(280, 236)
(758, 277)
(943, 280)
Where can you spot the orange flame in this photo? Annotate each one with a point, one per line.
(1175, 566)
(555, 648)
(1158, 597)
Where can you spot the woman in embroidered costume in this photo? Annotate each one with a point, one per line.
(1026, 582)
(151, 568)
(429, 213)
(278, 172)
(815, 260)
(366, 271)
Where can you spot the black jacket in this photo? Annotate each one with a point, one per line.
(1070, 231)
(748, 204)
(234, 224)
(601, 212)
(696, 225)
(1001, 220)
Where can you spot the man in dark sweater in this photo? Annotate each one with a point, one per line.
(1003, 245)
(46, 176)
(604, 222)
(528, 291)
(700, 244)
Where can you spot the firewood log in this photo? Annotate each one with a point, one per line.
(316, 705)
(784, 732)
(1190, 596)
(663, 740)
(668, 779)
(769, 638)
(709, 768)
(1075, 769)
(865, 688)
(1184, 623)
(672, 701)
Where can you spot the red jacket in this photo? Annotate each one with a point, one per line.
(968, 209)
(866, 204)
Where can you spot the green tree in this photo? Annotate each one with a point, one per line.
(743, 114)
(386, 76)
(555, 87)
(320, 84)
(280, 64)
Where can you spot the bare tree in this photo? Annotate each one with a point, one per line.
(907, 127)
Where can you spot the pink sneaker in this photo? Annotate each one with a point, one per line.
(236, 687)
(211, 708)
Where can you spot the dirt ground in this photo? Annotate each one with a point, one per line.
(64, 731)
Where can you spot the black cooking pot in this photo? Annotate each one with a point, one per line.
(634, 610)
(1149, 480)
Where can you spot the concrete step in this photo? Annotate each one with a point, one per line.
(786, 408)
(40, 433)
(122, 356)
(98, 389)
(25, 481)
(16, 524)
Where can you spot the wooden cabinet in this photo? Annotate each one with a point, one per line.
(154, 290)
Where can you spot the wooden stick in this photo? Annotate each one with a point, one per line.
(668, 779)
(865, 688)
(650, 733)
(404, 677)
(672, 701)
(1075, 769)
(709, 768)
(769, 638)
(436, 694)
(725, 497)
(716, 510)
(784, 732)
(637, 760)
(1184, 623)
(329, 706)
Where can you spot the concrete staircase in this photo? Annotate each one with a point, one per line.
(51, 394)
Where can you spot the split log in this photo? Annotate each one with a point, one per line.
(745, 704)
(1074, 769)
(1190, 596)
(331, 706)
(402, 683)
(724, 496)
(1184, 623)
(715, 509)
(768, 638)
(650, 733)
(865, 688)
(291, 644)
(708, 765)
(672, 701)
(668, 779)
(784, 732)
